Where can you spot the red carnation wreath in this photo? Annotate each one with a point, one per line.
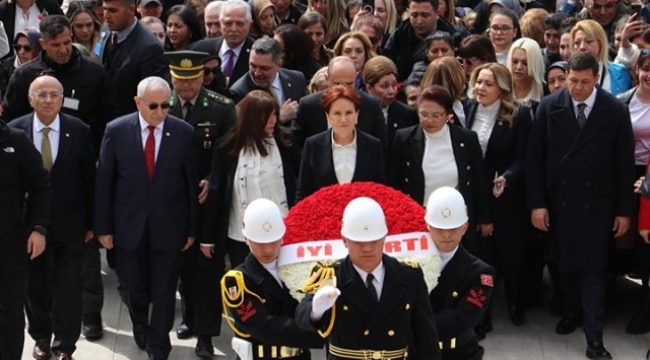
(314, 231)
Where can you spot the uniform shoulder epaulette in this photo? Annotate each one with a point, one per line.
(410, 264)
(318, 273)
(220, 98)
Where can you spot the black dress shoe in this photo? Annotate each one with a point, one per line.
(184, 332)
(566, 325)
(92, 327)
(204, 348)
(42, 350)
(517, 315)
(140, 336)
(597, 351)
(64, 356)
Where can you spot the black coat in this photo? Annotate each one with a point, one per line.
(294, 86)
(8, 14)
(400, 116)
(82, 79)
(583, 177)
(138, 56)
(23, 172)
(317, 165)
(268, 313)
(405, 169)
(311, 118)
(402, 318)
(217, 208)
(459, 300)
(72, 177)
(213, 45)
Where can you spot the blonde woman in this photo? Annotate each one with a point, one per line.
(357, 47)
(502, 126)
(448, 73)
(386, 12)
(334, 13)
(526, 65)
(587, 36)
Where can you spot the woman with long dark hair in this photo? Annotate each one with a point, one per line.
(183, 27)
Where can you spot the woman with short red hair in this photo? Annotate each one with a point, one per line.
(342, 154)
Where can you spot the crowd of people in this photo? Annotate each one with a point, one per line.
(536, 112)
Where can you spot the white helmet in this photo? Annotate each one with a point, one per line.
(446, 209)
(363, 220)
(263, 222)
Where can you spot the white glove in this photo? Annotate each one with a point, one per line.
(323, 300)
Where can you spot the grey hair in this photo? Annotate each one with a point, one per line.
(266, 45)
(152, 83)
(31, 86)
(337, 59)
(236, 4)
(214, 5)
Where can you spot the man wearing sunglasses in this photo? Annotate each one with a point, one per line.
(146, 207)
(211, 115)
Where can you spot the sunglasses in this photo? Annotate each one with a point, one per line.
(214, 70)
(154, 106)
(27, 48)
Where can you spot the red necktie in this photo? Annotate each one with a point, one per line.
(150, 151)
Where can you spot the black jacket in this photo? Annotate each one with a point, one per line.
(82, 78)
(23, 173)
(294, 86)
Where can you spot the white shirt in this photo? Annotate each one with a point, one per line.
(378, 273)
(484, 120)
(605, 82)
(640, 115)
(345, 159)
(4, 42)
(224, 49)
(54, 135)
(272, 268)
(590, 101)
(460, 112)
(446, 257)
(438, 163)
(157, 134)
(26, 20)
(276, 85)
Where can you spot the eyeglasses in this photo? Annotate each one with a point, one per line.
(435, 115)
(27, 48)
(501, 29)
(154, 106)
(215, 70)
(51, 95)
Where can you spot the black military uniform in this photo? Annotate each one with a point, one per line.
(463, 293)
(212, 115)
(263, 313)
(401, 324)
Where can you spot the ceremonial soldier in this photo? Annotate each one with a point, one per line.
(465, 284)
(369, 305)
(256, 299)
(212, 115)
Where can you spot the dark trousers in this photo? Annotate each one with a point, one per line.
(148, 275)
(590, 287)
(92, 294)
(187, 284)
(208, 290)
(54, 294)
(13, 274)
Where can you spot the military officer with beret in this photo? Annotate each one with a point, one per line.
(374, 307)
(212, 115)
(256, 299)
(465, 284)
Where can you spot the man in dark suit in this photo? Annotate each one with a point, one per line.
(130, 53)
(24, 216)
(8, 13)
(264, 327)
(146, 206)
(211, 115)
(234, 46)
(465, 285)
(371, 291)
(579, 174)
(54, 283)
(265, 73)
(311, 120)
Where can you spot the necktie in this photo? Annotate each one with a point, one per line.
(582, 118)
(188, 111)
(46, 149)
(150, 151)
(371, 287)
(111, 47)
(230, 63)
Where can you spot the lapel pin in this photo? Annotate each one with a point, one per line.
(248, 50)
(166, 134)
(67, 135)
(289, 84)
(462, 145)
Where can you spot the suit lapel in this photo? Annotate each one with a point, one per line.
(564, 117)
(469, 120)
(391, 291)
(417, 145)
(136, 138)
(64, 138)
(353, 284)
(266, 281)
(165, 144)
(599, 118)
(328, 163)
(460, 152)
